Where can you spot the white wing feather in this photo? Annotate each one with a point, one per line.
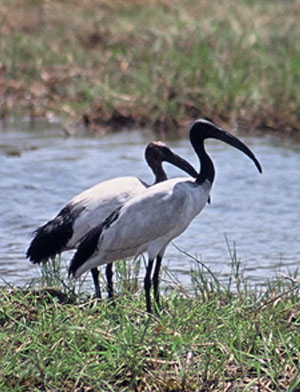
(149, 221)
(101, 200)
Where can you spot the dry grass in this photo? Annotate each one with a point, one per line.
(152, 63)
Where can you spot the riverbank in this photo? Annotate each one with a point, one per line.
(215, 341)
(154, 64)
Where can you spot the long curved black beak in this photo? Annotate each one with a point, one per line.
(206, 129)
(181, 163)
(224, 136)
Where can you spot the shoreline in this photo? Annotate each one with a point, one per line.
(237, 64)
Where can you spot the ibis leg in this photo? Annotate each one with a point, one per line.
(156, 279)
(147, 285)
(109, 280)
(95, 274)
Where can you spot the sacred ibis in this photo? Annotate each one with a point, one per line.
(150, 220)
(87, 209)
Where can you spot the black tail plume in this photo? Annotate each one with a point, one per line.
(52, 238)
(86, 248)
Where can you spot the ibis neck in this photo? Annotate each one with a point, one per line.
(207, 170)
(157, 169)
(160, 174)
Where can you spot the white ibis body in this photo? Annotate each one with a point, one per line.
(151, 219)
(93, 205)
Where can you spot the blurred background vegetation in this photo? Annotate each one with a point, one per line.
(152, 63)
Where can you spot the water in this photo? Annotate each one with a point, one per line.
(41, 169)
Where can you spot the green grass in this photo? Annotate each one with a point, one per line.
(223, 338)
(47, 345)
(153, 63)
